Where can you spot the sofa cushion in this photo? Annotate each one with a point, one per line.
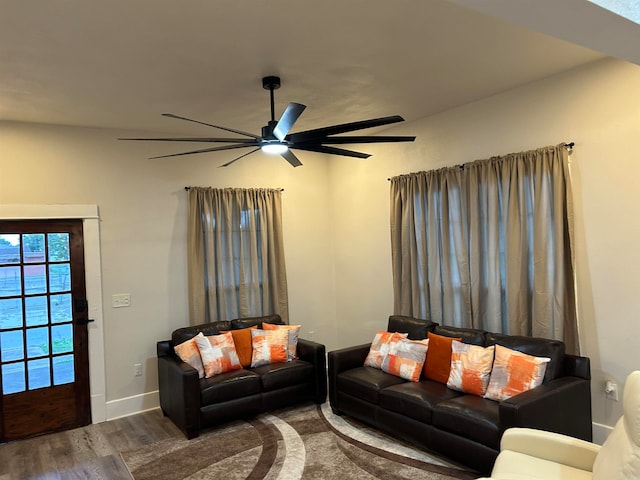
(510, 464)
(416, 328)
(470, 416)
(538, 347)
(416, 399)
(471, 336)
(280, 375)
(229, 386)
(185, 333)
(366, 383)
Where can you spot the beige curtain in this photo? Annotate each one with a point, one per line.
(235, 254)
(488, 245)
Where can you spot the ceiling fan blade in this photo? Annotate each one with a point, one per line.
(359, 139)
(251, 141)
(291, 158)
(238, 158)
(342, 128)
(239, 132)
(331, 150)
(288, 118)
(205, 150)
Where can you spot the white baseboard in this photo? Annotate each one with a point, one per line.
(600, 432)
(123, 407)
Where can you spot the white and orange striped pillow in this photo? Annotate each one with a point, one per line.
(514, 372)
(380, 347)
(189, 353)
(218, 354)
(269, 346)
(406, 359)
(293, 332)
(470, 367)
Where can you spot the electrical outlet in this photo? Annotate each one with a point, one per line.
(121, 300)
(137, 369)
(311, 335)
(611, 390)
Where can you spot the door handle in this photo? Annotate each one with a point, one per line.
(84, 321)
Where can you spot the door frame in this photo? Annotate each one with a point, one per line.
(93, 279)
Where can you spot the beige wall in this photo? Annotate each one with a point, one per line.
(336, 216)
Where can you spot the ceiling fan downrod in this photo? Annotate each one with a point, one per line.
(271, 83)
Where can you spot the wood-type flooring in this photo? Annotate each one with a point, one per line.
(91, 452)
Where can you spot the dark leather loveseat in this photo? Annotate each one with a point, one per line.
(193, 403)
(465, 428)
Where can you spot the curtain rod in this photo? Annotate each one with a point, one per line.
(568, 146)
(189, 188)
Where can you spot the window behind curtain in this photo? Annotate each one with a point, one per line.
(488, 245)
(236, 254)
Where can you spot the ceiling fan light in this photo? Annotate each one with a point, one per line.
(274, 148)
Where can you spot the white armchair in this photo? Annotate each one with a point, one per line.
(528, 454)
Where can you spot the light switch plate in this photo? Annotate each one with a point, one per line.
(121, 300)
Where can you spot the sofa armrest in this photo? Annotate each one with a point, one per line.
(315, 353)
(576, 366)
(179, 389)
(550, 446)
(340, 361)
(348, 358)
(562, 405)
(164, 348)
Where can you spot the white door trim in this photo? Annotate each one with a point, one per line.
(93, 279)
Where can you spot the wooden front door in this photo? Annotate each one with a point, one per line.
(44, 368)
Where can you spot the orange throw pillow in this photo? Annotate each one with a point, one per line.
(242, 340)
(437, 366)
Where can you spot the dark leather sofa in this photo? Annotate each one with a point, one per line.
(465, 428)
(193, 403)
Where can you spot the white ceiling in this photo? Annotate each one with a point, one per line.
(121, 63)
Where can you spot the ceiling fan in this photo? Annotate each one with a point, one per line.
(276, 139)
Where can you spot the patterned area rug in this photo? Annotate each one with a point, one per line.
(306, 442)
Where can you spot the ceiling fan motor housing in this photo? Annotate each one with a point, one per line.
(271, 83)
(267, 130)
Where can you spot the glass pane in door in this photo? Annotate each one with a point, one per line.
(10, 313)
(13, 378)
